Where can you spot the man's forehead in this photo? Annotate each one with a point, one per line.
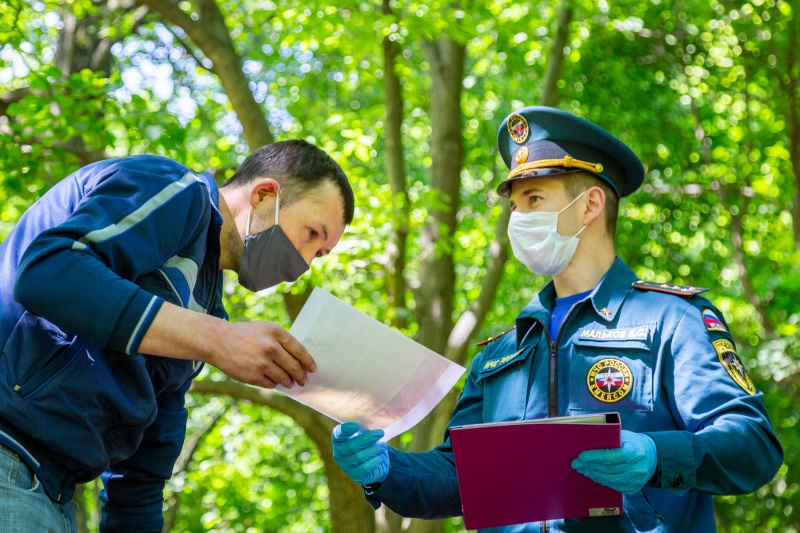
(537, 184)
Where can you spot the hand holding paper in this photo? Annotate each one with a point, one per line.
(360, 454)
(367, 373)
(626, 469)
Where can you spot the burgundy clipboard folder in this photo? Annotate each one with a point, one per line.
(517, 472)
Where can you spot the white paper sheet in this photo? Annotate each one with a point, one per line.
(366, 371)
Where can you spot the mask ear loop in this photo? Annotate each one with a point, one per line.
(567, 207)
(250, 216)
(572, 202)
(247, 226)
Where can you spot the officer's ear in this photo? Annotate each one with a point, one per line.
(594, 205)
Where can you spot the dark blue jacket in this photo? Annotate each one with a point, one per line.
(82, 276)
(687, 390)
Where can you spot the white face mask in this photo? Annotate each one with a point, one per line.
(536, 243)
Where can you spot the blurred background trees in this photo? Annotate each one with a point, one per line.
(408, 96)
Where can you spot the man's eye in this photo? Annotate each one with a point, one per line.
(312, 233)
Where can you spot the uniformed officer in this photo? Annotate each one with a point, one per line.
(595, 339)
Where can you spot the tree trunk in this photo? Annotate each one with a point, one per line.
(395, 171)
(446, 60)
(792, 86)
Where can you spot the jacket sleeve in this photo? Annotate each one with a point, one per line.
(424, 485)
(130, 221)
(728, 445)
(132, 494)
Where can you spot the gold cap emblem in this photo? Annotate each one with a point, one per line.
(522, 155)
(518, 128)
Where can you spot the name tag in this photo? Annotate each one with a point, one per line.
(640, 333)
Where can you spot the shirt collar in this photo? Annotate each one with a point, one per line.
(606, 298)
(213, 191)
(612, 290)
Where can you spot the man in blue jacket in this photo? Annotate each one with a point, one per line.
(596, 339)
(110, 303)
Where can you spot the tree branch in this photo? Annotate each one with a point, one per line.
(185, 459)
(12, 97)
(556, 63)
(211, 34)
(102, 53)
(345, 514)
(470, 321)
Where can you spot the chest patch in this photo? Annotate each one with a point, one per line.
(712, 322)
(609, 380)
(730, 360)
(637, 333)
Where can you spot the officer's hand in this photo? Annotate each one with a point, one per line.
(263, 354)
(360, 455)
(624, 469)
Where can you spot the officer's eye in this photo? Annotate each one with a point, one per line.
(535, 199)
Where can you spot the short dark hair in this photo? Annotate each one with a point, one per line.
(299, 167)
(576, 183)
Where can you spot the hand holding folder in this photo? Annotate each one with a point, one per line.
(626, 469)
(520, 471)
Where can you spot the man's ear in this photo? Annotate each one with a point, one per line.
(595, 203)
(261, 189)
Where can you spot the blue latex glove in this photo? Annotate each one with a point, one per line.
(626, 469)
(360, 454)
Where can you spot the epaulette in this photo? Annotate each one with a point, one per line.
(678, 290)
(490, 339)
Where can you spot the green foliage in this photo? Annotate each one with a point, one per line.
(701, 90)
(243, 478)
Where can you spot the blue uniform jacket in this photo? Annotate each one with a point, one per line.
(82, 276)
(672, 373)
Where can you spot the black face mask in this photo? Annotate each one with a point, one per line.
(269, 257)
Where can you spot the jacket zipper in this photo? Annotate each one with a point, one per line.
(552, 377)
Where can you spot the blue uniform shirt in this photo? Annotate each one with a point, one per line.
(666, 363)
(561, 310)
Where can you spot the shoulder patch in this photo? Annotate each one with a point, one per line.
(733, 365)
(678, 290)
(491, 339)
(712, 322)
